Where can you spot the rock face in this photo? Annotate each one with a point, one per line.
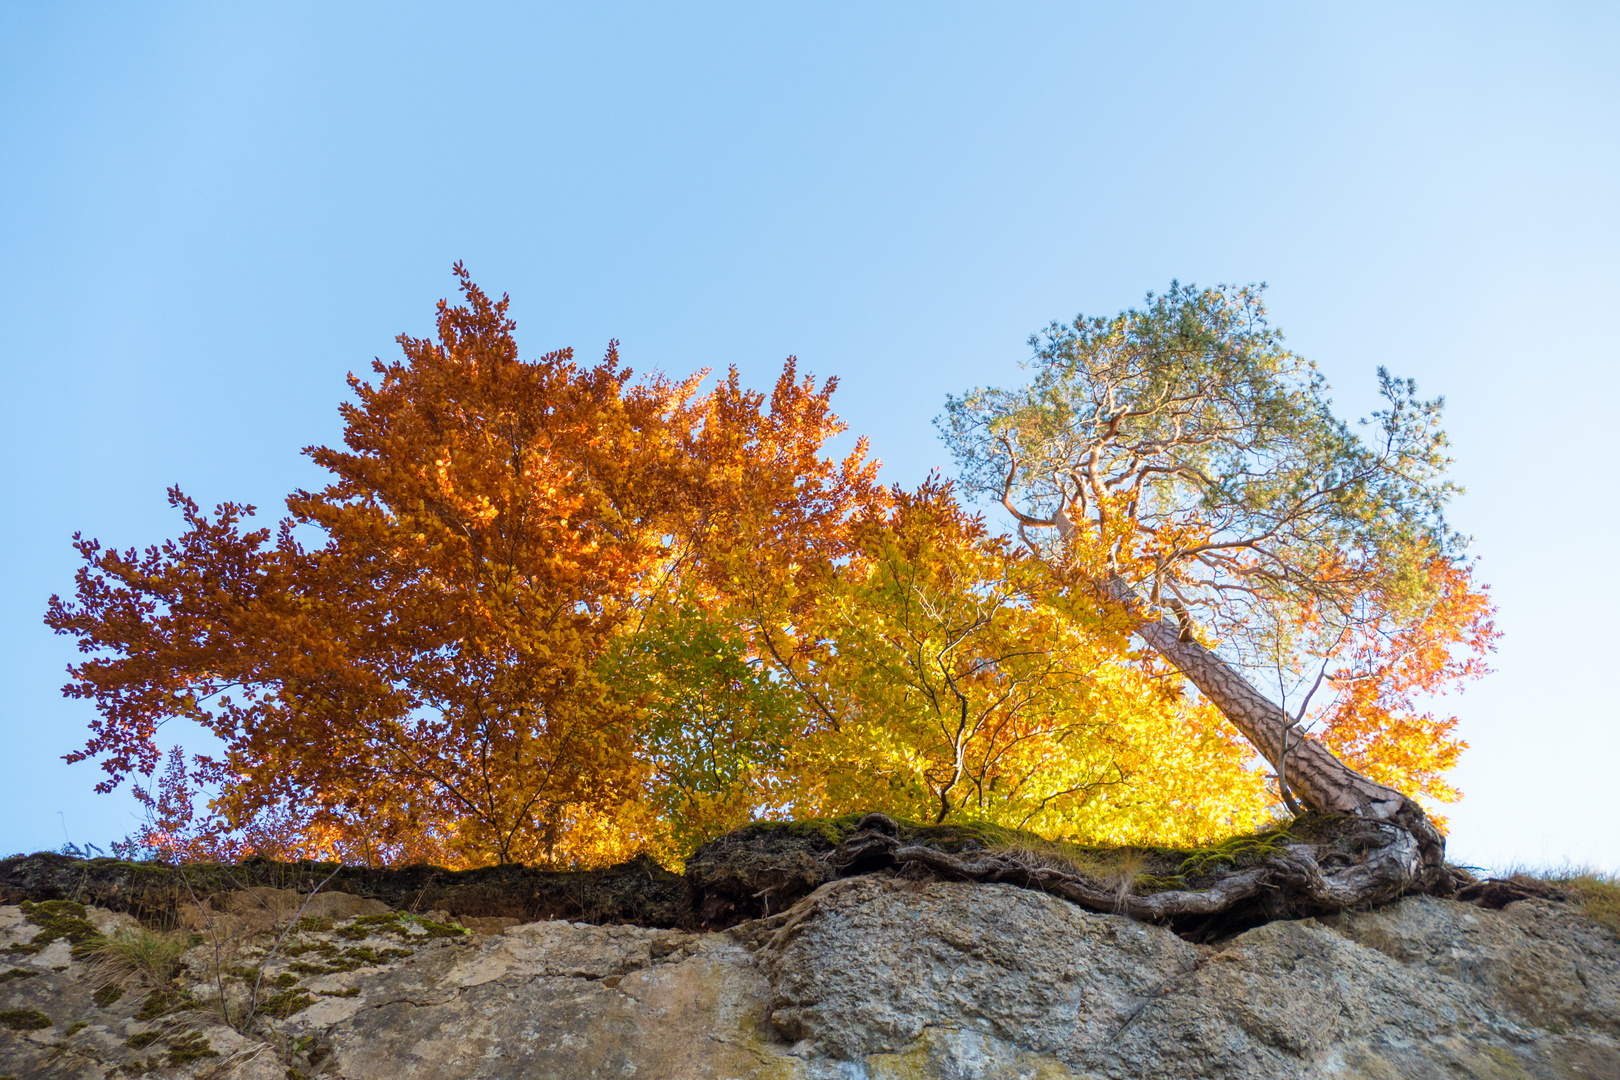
(867, 977)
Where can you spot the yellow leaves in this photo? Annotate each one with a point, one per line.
(961, 692)
(558, 617)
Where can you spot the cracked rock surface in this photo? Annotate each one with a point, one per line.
(867, 977)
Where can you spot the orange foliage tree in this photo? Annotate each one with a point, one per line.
(424, 684)
(1379, 716)
(555, 614)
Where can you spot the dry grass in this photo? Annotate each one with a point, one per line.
(1596, 891)
(138, 955)
(1115, 870)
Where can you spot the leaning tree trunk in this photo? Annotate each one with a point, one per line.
(1310, 769)
(1391, 848)
(1380, 846)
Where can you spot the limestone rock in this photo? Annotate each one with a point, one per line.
(866, 964)
(866, 977)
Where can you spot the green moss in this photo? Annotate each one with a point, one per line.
(162, 1002)
(353, 991)
(438, 929)
(76, 1027)
(354, 933)
(834, 830)
(17, 973)
(188, 1048)
(1237, 852)
(389, 919)
(311, 924)
(142, 1040)
(24, 1019)
(286, 1003)
(357, 957)
(366, 954)
(325, 948)
(286, 979)
(59, 919)
(108, 994)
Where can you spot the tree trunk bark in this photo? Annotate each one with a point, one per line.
(1324, 782)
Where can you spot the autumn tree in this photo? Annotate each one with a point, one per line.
(709, 656)
(424, 675)
(553, 613)
(1183, 467)
(954, 685)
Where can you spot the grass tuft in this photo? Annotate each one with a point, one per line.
(1598, 894)
(139, 954)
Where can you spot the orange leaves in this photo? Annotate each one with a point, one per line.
(557, 613)
(1378, 722)
(427, 678)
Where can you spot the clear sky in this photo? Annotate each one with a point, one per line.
(209, 214)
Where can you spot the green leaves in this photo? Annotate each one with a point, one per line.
(1200, 460)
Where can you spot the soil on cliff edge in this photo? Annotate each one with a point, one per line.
(760, 869)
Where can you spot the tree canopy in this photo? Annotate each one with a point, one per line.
(555, 613)
(1177, 459)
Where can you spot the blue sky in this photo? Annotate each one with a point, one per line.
(209, 214)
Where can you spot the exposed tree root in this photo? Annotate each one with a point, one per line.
(1352, 862)
(1315, 865)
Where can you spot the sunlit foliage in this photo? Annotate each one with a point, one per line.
(552, 613)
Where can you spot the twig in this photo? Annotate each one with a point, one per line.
(253, 998)
(219, 965)
(1299, 715)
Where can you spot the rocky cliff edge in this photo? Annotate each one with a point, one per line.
(870, 976)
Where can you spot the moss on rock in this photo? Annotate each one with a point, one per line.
(24, 1020)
